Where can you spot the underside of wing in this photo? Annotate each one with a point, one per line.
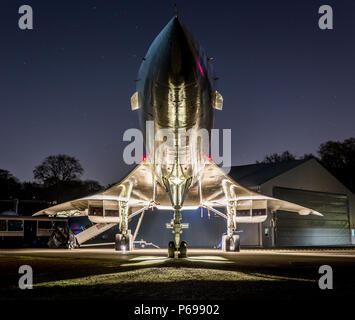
(220, 190)
(135, 190)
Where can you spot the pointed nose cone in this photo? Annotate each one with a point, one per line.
(179, 46)
(174, 53)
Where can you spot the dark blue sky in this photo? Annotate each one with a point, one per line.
(65, 86)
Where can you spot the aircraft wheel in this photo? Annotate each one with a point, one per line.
(171, 249)
(123, 243)
(183, 249)
(129, 242)
(228, 244)
(236, 243)
(118, 238)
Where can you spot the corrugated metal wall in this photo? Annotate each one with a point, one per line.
(295, 230)
(249, 234)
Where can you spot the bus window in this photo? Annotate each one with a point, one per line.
(15, 225)
(45, 225)
(2, 225)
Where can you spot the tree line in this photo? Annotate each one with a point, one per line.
(56, 179)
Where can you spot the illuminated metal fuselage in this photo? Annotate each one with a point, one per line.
(175, 86)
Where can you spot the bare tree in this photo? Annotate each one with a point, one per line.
(9, 185)
(57, 172)
(339, 158)
(58, 169)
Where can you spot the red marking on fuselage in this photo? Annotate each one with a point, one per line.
(199, 65)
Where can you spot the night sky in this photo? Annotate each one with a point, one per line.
(65, 86)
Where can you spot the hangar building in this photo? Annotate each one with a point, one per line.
(307, 183)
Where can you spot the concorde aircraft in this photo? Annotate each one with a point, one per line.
(176, 91)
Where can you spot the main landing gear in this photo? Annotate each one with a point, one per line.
(182, 250)
(123, 242)
(231, 243)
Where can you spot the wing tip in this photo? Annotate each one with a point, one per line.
(316, 213)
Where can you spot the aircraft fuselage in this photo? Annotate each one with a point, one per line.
(175, 85)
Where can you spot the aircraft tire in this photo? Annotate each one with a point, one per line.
(183, 250)
(118, 238)
(236, 243)
(228, 243)
(171, 249)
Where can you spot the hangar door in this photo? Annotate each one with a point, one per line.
(249, 234)
(295, 230)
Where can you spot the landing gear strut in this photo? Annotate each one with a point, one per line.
(231, 241)
(176, 245)
(124, 240)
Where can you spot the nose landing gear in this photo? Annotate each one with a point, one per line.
(182, 250)
(177, 245)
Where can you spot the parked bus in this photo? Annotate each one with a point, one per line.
(27, 230)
